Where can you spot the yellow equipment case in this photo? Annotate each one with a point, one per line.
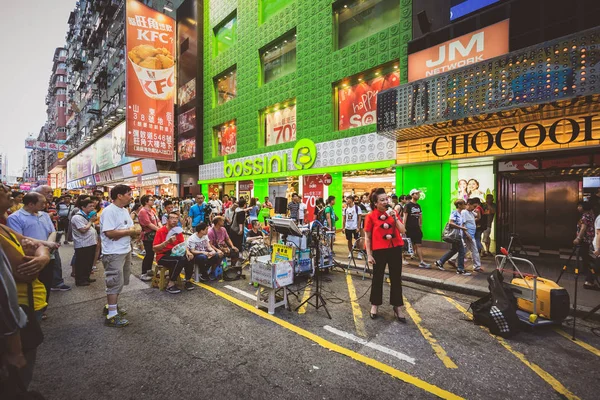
(552, 300)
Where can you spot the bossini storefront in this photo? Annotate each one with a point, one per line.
(311, 169)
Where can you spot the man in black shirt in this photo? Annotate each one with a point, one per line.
(413, 220)
(294, 206)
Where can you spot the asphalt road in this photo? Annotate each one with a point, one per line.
(216, 344)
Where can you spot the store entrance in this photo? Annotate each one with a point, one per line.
(542, 208)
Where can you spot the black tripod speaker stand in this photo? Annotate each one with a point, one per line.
(316, 246)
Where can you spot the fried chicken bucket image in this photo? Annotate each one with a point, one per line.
(155, 69)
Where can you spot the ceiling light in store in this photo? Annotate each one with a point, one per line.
(168, 7)
(371, 179)
(395, 67)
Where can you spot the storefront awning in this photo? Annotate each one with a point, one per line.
(550, 80)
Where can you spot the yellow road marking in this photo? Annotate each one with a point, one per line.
(437, 349)
(578, 342)
(403, 376)
(552, 381)
(305, 297)
(356, 311)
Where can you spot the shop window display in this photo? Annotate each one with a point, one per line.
(226, 87)
(359, 19)
(226, 138)
(357, 98)
(280, 124)
(279, 59)
(225, 35)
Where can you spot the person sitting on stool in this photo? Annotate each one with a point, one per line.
(162, 248)
(384, 247)
(220, 240)
(201, 251)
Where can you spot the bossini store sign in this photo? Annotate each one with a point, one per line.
(474, 47)
(304, 156)
(548, 134)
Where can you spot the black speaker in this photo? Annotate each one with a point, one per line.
(280, 205)
(424, 23)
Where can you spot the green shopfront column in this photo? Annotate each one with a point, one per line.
(261, 189)
(336, 189)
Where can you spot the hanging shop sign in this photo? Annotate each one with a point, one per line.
(150, 83)
(47, 146)
(304, 156)
(327, 179)
(312, 189)
(474, 47)
(552, 134)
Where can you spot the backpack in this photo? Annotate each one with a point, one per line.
(498, 309)
(235, 227)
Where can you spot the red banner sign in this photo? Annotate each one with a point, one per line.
(312, 189)
(150, 83)
(358, 104)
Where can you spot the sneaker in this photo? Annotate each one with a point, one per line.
(423, 264)
(189, 285)
(61, 288)
(463, 272)
(439, 266)
(173, 290)
(349, 255)
(121, 311)
(404, 262)
(203, 277)
(94, 268)
(145, 278)
(359, 256)
(116, 322)
(452, 262)
(478, 269)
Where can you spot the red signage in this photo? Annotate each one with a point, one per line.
(327, 179)
(569, 162)
(150, 83)
(357, 105)
(312, 189)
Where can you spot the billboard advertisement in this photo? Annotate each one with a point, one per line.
(474, 47)
(281, 126)
(186, 148)
(357, 105)
(187, 121)
(150, 83)
(226, 138)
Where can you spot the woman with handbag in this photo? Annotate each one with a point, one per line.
(150, 224)
(383, 243)
(453, 234)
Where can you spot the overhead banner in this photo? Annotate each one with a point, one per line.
(281, 126)
(150, 83)
(357, 105)
(474, 47)
(49, 146)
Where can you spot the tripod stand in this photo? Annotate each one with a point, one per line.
(319, 300)
(576, 253)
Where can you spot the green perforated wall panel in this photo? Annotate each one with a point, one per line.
(319, 66)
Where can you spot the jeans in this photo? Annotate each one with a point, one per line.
(478, 233)
(149, 257)
(587, 262)
(176, 265)
(457, 247)
(392, 257)
(57, 279)
(203, 262)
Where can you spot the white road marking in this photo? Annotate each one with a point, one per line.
(383, 349)
(242, 292)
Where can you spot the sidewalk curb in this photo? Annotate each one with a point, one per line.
(471, 290)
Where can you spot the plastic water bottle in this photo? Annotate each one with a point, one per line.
(225, 264)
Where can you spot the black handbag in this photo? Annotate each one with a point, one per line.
(31, 335)
(451, 235)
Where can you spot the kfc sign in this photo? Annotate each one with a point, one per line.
(472, 48)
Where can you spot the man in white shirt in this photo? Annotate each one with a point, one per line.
(216, 205)
(301, 212)
(351, 217)
(117, 229)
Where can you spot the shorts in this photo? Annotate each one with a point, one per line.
(485, 237)
(415, 235)
(117, 269)
(351, 233)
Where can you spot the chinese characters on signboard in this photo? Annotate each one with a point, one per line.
(226, 138)
(150, 83)
(312, 189)
(357, 105)
(281, 126)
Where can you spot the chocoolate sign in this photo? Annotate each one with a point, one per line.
(579, 131)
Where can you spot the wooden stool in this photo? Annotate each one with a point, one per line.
(160, 278)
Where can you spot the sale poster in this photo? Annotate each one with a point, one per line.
(150, 83)
(227, 139)
(357, 105)
(281, 126)
(312, 189)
